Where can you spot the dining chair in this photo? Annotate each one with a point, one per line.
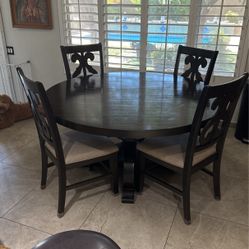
(196, 57)
(80, 55)
(187, 153)
(77, 239)
(68, 150)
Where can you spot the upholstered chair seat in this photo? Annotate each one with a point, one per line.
(79, 146)
(172, 149)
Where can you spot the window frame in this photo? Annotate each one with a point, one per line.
(193, 27)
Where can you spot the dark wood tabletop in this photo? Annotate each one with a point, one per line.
(126, 104)
(129, 105)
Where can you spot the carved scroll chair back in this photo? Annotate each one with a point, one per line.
(221, 100)
(81, 55)
(196, 58)
(43, 115)
(68, 150)
(188, 153)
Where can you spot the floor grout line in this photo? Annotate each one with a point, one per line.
(170, 228)
(221, 219)
(13, 165)
(92, 210)
(21, 224)
(15, 204)
(216, 218)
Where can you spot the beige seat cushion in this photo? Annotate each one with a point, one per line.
(79, 146)
(171, 149)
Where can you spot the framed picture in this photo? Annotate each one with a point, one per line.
(34, 14)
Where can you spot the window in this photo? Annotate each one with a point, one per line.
(167, 28)
(144, 34)
(81, 22)
(220, 28)
(122, 33)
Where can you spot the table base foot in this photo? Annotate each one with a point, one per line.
(128, 196)
(128, 183)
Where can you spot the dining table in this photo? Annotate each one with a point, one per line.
(128, 105)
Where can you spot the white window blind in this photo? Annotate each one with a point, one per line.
(167, 28)
(144, 34)
(122, 33)
(81, 21)
(220, 28)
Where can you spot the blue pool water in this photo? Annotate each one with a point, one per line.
(153, 38)
(156, 33)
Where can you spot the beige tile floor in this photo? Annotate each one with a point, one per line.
(28, 214)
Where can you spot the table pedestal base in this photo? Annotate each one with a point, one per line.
(128, 183)
(128, 149)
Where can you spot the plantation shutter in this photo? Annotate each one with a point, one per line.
(122, 29)
(80, 22)
(220, 28)
(168, 22)
(144, 34)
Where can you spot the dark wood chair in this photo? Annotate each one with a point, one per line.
(187, 153)
(81, 54)
(69, 150)
(77, 239)
(196, 57)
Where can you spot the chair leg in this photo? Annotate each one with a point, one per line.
(62, 190)
(115, 175)
(44, 168)
(141, 165)
(186, 199)
(216, 179)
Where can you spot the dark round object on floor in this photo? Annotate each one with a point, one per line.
(78, 239)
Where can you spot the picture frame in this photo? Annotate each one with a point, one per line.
(34, 14)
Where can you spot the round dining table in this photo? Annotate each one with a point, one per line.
(129, 105)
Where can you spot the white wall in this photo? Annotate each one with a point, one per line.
(39, 46)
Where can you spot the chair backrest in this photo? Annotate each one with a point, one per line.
(81, 54)
(196, 57)
(42, 112)
(218, 102)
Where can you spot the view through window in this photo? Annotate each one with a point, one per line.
(145, 34)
